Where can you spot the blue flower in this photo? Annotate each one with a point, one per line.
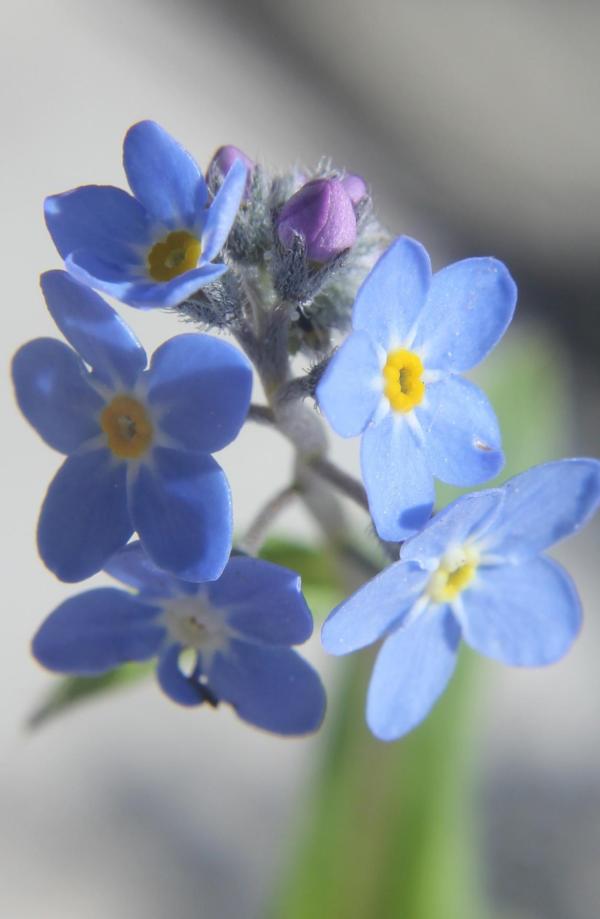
(138, 442)
(239, 629)
(154, 248)
(396, 380)
(475, 571)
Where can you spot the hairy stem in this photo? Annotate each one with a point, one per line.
(297, 389)
(272, 333)
(301, 425)
(266, 344)
(262, 414)
(244, 335)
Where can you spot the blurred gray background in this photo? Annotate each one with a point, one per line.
(476, 124)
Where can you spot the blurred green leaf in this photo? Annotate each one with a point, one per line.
(68, 692)
(388, 832)
(321, 584)
(312, 563)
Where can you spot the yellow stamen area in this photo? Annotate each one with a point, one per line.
(402, 373)
(452, 576)
(174, 255)
(127, 426)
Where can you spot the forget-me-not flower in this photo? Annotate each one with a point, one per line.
(396, 380)
(138, 442)
(155, 247)
(239, 628)
(474, 572)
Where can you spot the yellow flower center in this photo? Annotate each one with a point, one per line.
(127, 426)
(402, 373)
(174, 255)
(454, 573)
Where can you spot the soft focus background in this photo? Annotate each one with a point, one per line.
(476, 124)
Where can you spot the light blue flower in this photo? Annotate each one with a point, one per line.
(138, 442)
(239, 629)
(154, 248)
(474, 572)
(396, 380)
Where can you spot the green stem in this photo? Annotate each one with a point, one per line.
(389, 830)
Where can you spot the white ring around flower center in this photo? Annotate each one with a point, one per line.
(194, 623)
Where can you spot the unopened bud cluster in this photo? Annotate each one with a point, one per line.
(305, 239)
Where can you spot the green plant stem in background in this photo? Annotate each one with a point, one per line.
(389, 832)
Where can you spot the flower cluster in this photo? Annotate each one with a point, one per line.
(283, 263)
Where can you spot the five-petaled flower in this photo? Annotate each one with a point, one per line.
(138, 442)
(396, 380)
(155, 248)
(475, 571)
(239, 628)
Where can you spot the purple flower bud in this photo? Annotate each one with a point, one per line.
(356, 187)
(224, 159)
(322, 213)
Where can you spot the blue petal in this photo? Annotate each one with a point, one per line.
(223, 211)
(143, 294)
(543, 505)
(181, 508)
(54, 395)
(460, 522)
(265, 601)
(273, 688)
(468, 310)
(163, 176)
(525, 615)
(461, 432)
(98, 217)
(94, 329)
(84, 517)
(352, 385)
(131, 566)
(369, 613)
(200, 387)
(96, 631)
(411, 672)
(393, 294)
(397, 478)
(94, 271)
(186, 690)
